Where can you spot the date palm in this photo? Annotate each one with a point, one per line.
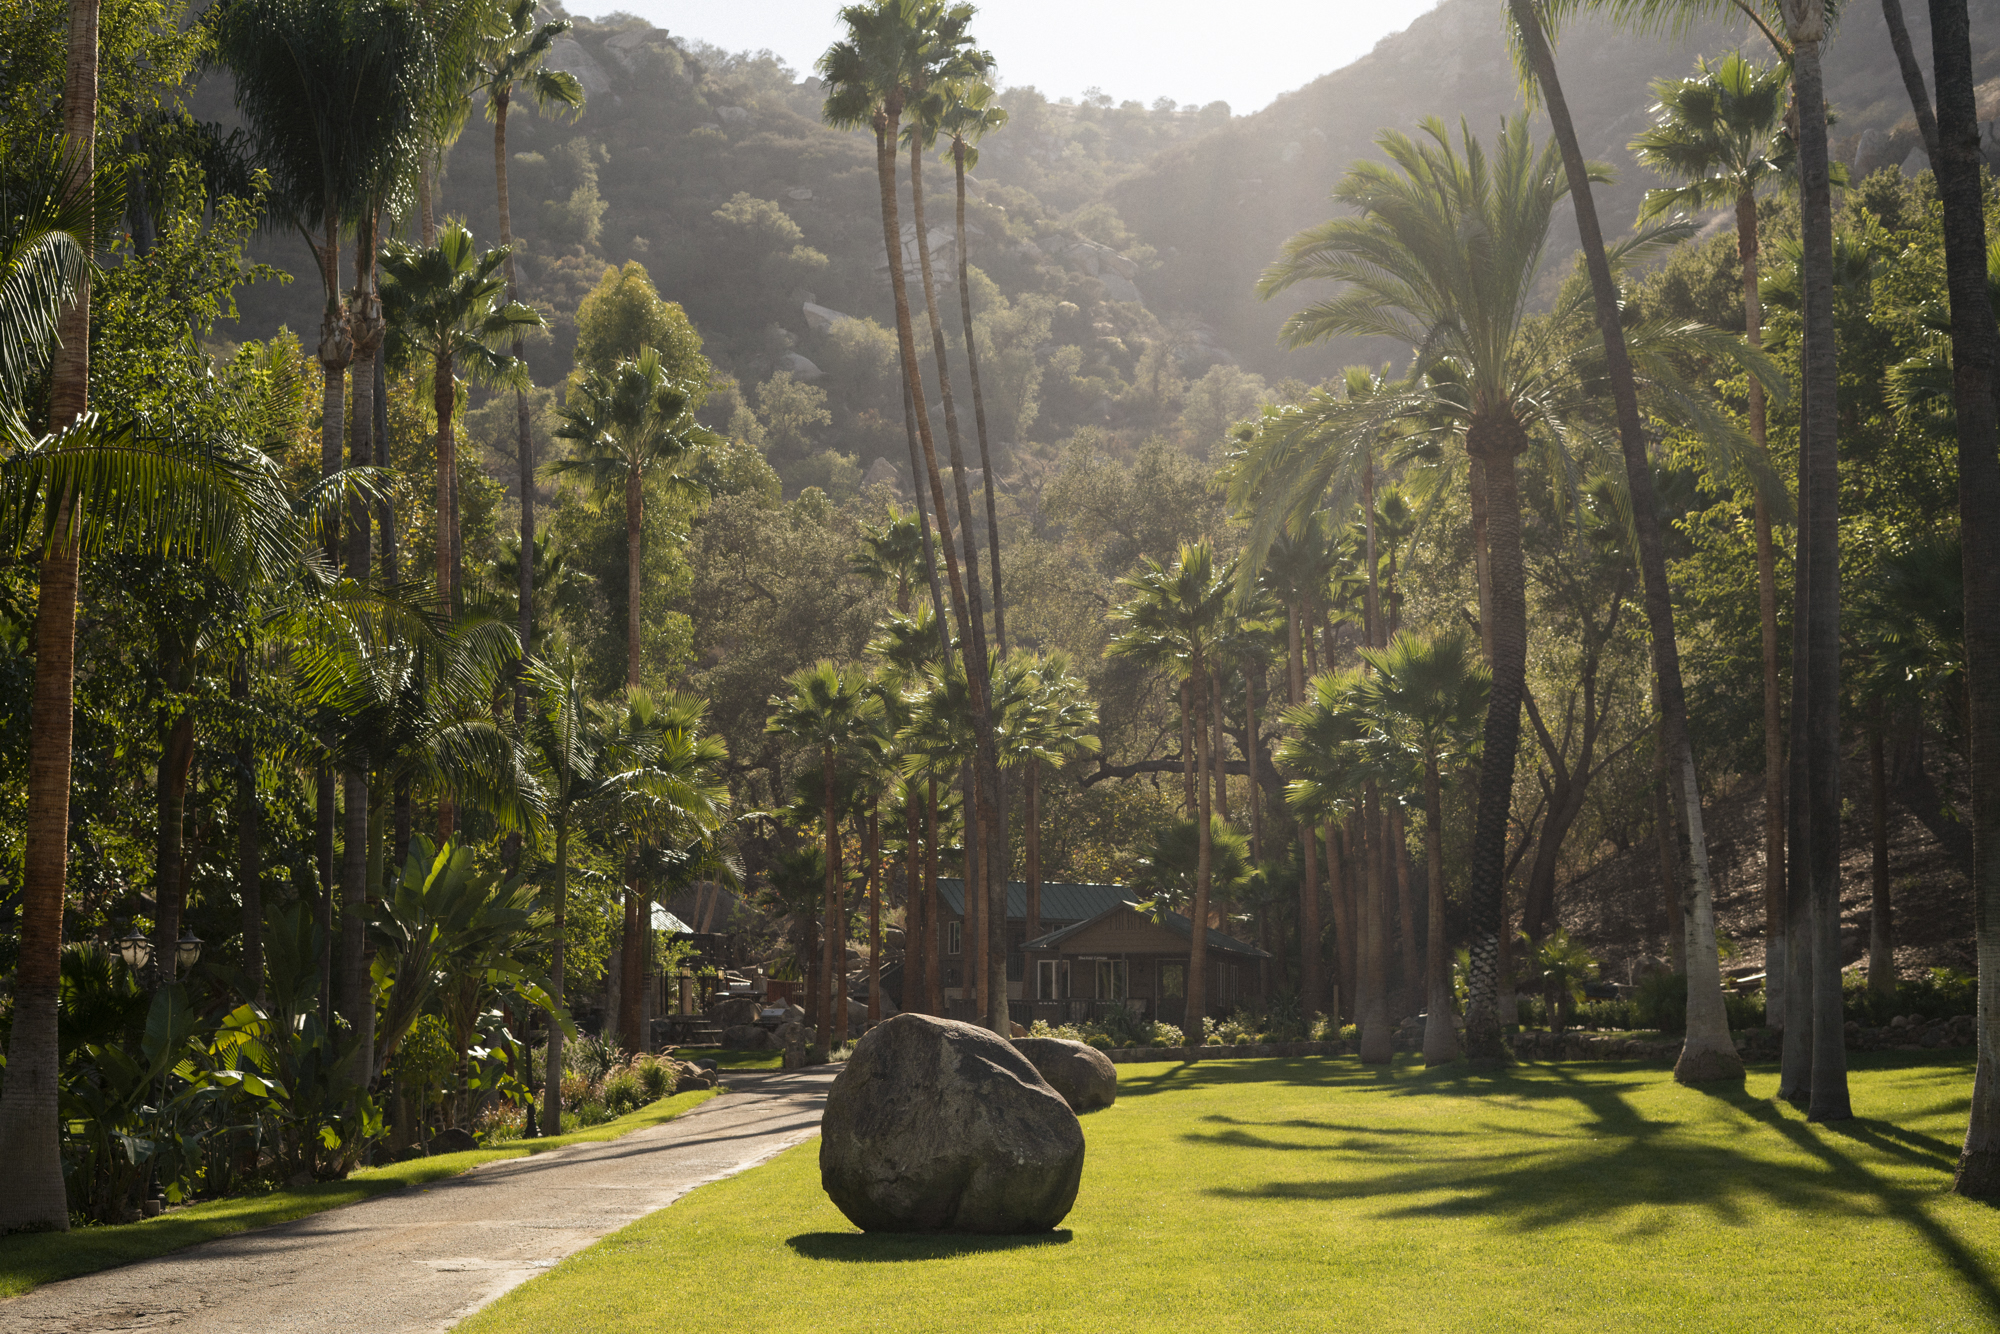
(1719, 135)
(627, 422)
(1444, 258)
(447, 304)
(1429, 695)
(828, 708)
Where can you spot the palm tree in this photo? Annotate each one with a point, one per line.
(966, 116)
(510, 56)
(672, 801)
(1296, 572)
(1565, 967)
(1429, 694)
(1179, 610)
(1443, 258)
(1720, 134)
(907, 646)
(1053, 728)
(1335, 768)
(1708, 1054)
(831, 709)
(630, 421)
(892, 554)
(573, 752)
(895, 52)
(445, 304)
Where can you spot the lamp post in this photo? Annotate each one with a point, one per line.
(139, 954)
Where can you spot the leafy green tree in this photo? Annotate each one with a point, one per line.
(1428, 694)
(624, 315)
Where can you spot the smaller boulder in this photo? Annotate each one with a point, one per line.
(736, 1012)
(748, 1037)
(1084, 1076)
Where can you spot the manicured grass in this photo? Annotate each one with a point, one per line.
(731, 1058)
(32, 1259)
(1316, 1194)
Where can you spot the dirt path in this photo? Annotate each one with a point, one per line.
(428, 1256)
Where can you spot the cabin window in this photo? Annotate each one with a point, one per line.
(1173, 981)
(1052, 979)
(1111, 979)
(954, 937)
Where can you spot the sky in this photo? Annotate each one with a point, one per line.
(1131, 49)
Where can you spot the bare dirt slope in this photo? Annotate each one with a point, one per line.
(1618, 911)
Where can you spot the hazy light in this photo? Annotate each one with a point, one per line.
(1244, 53)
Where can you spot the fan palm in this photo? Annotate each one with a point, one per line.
(633, 420)
(446, 303)
(1428, 694)
(1054, 726)
(892, 554)
(830, 709)
(1720, 135)
(1173, 617)
(1329, 751)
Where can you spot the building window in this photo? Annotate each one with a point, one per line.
(1052, 979)
(1111, 979)
(954, 937)
(1173, 981)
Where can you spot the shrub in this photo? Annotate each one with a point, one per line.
(1661, 1001)
(1940, 994)
(656, 1077)
(622, 1092)
(591, 1112)
(575, 1089)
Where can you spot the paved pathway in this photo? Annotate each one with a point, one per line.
(423, 1258)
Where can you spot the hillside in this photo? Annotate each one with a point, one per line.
(1104, 230)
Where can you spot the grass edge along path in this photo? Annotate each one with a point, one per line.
(30, 1259)
(1319, 1193)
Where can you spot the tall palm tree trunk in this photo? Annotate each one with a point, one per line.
(916, 926)
(1819, 532)
(1250, 763)
(1975, 373)
(1188, 801)
(1216, 749)
(1378, 1037)
(249, 835)
(1406, 914)
(1767, 621)
(443, 399)
(1708, 1052)
(1032, 837)
(823, 990)
(553, 1069)
(1440, 1034)
(1496, 442)
(524, 440)
(979, 406)
(933, 944)
(992, 940)
(1881, 918)
(837, 935)
(1197, 973)
(1346, 943)
(635, 519)
(1912, 72)
(1311, 960)
(632, 963)
(29, 1144)
(874, 856)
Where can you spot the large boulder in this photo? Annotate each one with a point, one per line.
(938, 1126)
(737, 1010)
(1084, 1076)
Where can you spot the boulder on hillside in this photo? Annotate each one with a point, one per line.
(1084, 1076)
(938, 1126)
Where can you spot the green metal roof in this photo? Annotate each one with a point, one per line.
(1062, 901)
(1172, 921)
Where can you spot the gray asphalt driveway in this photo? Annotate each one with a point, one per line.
(426, 1257)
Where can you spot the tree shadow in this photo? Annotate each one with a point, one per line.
(902, 1247)
(1618, 1160)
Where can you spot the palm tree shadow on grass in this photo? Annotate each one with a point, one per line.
(902, 1247)
(1621, 1161)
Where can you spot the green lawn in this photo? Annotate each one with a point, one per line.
(1313, 1194)
(31, 1259)
(732, 1058)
